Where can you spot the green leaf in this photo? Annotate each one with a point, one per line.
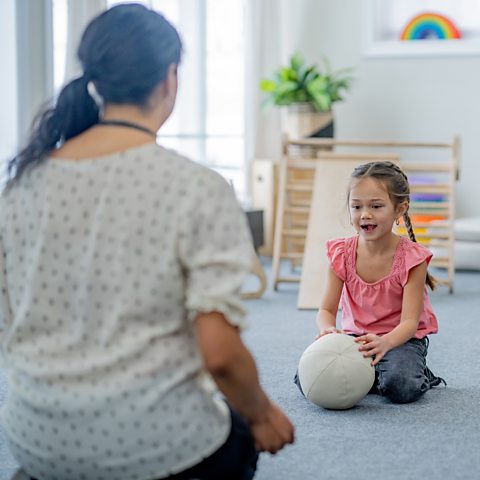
(268, 85)
(286, 87)
(296, 61)
(322, 102)
(310, 75)
(319, 84)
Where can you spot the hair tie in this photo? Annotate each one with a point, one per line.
(96, 97)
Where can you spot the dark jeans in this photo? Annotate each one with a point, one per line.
(236, 459)
(402, 374)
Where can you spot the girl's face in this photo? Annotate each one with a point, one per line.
(372, 212)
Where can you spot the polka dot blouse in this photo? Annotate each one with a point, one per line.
(106, 263)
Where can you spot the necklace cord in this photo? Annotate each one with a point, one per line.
(124, 123)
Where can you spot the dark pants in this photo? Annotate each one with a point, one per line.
(236, 459)
(402, 374)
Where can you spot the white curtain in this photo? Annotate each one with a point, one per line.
(273, 33)
(262, 54)
(80, 12)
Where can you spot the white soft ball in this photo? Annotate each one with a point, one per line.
(333, 373)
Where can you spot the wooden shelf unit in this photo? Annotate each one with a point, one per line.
(427, 176)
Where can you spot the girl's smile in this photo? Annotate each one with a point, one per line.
(368, 227)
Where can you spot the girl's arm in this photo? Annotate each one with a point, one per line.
(327, 313)
(412, 305)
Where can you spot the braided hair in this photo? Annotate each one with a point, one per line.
(396, 182)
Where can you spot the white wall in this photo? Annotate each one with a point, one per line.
(8, 81)
(408, 98)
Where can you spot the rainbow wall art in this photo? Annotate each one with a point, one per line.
(430, 26)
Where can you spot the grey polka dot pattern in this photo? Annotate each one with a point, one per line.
(105, 264)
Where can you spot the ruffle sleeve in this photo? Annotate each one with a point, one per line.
(336, 256)
(215, 249)
(415, 254)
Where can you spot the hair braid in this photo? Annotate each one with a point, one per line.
(409, 227)
(430, 279)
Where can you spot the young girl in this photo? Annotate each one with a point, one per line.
(379, 278)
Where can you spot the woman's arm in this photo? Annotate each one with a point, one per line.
(234, 371)
(412, 305)
(327, 313)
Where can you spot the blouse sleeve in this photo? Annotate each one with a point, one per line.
(415, 255)
(336, 256)
(215, 250)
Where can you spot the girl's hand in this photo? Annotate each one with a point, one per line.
(327, 331)
(373, 345)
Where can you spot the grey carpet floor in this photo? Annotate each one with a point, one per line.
(437, 437)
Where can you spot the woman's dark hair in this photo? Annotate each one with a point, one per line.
(125, 53)
(396, 183)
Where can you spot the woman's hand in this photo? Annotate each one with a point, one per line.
(373, 345)
(273, 431)
(328, 330)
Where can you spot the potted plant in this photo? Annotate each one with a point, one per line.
(309, 93)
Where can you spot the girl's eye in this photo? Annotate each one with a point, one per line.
(355, 207)
(377, 206)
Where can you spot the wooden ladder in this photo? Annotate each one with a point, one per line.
(296, 185)
(293, 208)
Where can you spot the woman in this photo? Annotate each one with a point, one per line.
(122, 264)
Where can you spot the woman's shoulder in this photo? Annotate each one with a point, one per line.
(187, 165)
(195, 180)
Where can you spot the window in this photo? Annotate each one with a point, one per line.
(60, 21)
(207, 123)
(8, 85)
(386, 20)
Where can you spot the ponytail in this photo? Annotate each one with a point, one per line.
(430, 280)
(125, 52)
(74, 112)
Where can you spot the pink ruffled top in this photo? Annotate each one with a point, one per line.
(376, 307)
